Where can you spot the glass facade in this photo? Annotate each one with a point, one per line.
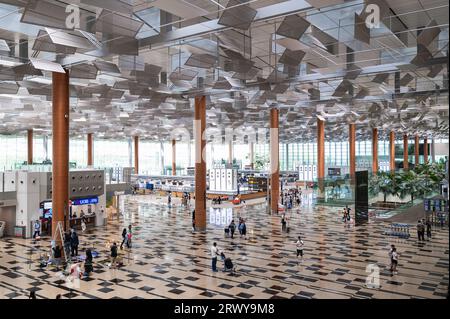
(110, 153)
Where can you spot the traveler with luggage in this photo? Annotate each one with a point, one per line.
(214, 255)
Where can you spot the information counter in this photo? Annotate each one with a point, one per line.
(76, 222)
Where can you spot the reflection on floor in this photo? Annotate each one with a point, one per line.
(168, 261)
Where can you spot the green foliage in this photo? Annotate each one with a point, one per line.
(420, 181)
(260, 162)
(383, 182)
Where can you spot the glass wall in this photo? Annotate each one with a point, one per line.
(116, 153)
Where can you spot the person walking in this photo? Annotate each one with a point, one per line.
(232, 228)
(394, 258)
(67, 244)
(124, 237)
(283, 223)
(74, 242)
(244, 229)
(428, 226)
(37, 229)
(88, 267)
(420, 230)
(390, 257)
(299, 245)
(128, 243)
(113, 255)
(32, 295)
(214, 255)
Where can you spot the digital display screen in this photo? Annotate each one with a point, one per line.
(85, 201)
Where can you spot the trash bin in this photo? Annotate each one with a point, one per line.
(2, 228)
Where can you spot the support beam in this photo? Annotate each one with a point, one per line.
(392, 151)
(136, 154)
(425, 150)
(320, 153)
(416, 150)
(30, 147)
(90, 161)
(352, 148)
(174, 157)
(374, 150)
(60, 156)
(274, 160)
(200, 162)
(405, 152)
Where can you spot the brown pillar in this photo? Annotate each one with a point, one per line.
(320, 153)
(30, 146)
(392, 151)
(174, 158)
(416, 150)
(252, 159)
(405, 152)
(60, 160)
(352, 148)
(200, 163)
(425, 150)
(90, 161)
(274, 160)
(374, 150)
(136, 154)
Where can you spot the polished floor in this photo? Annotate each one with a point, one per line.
(167, 260)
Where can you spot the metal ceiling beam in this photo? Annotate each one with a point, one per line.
(265, 13)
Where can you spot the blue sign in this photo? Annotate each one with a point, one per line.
(85, 201)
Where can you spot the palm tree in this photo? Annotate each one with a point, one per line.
(383, 182)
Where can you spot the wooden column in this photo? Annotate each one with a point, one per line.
(320, 153)
(30, 146)
(416, 150)
(90, 161)
(136, 154)
(174, 157)
(352, 148)
(405, 152)
(425, 150)
(200, 162)
(60, 156)
(374, 150)
(274, 160)
(392, 151)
